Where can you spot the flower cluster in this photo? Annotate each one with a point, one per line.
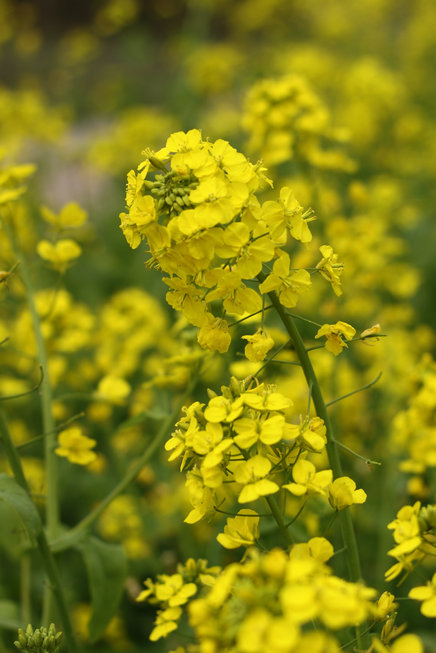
(171, 592)
(414, 532)
(207, 230)
(271, 602)
(286, 119)
(241, 446)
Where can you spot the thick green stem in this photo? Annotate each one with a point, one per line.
(347, 528)
(74, 534)
(48, 424)
(44, 549)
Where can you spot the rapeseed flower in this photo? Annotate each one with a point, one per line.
(75, 446)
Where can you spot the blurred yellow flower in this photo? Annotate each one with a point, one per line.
(75, 446)
(60, 254)
(334, 334)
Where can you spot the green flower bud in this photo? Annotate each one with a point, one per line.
(157, 163)
(427, 518)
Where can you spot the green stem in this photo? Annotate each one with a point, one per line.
(48, 424)
(74, 534)
(41, 540)
(25, 588)
(347, 527)
(276, 513)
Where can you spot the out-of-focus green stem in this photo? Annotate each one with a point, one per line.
(25, 588)
(48, 424)
(347, 527)
(41, 540)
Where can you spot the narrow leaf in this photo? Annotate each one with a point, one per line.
(20, 522)
(106, 567)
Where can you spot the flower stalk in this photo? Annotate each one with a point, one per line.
(41, 541)
(347, 527)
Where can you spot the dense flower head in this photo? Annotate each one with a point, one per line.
(194, 202)
(241, 448)
(285, 119)
(276, 602)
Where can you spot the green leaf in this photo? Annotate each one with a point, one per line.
(10, 615)
(20, 523)
(106, 565)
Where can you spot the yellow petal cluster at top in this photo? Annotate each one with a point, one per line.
(194, 202)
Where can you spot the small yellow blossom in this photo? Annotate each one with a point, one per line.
(166, 621)
(369, 336)
(308, 480)
(426, 594)
(343, 493)
(330, 269)
(385, 606)
(406, 530)
(113, 388)
(60, 254)
(71, 215)
(334, 334)
(214, 334)
(258, 346)
(242, 530)
(268, 431)
(251, 474)
(75, 446)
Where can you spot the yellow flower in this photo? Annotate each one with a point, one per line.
(242, 530)
(71, 215)
(334, 334)
(406, 530)
(288, 284)
(385, 605)
(426, 594)
(330, 269)
(75, 446)
(268, 431)
(409, 643)
(172, 590)
(252, 474)
(214, 334)
(296, 218)
(166, 621)
(343, 493)
(369, 336)
(60, 254)
(113, 388)
(308, 480)
(258, 346)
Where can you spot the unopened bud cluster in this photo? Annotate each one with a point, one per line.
(171, 191)
(40, 640)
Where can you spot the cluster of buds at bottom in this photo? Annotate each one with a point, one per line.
(40, 640)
